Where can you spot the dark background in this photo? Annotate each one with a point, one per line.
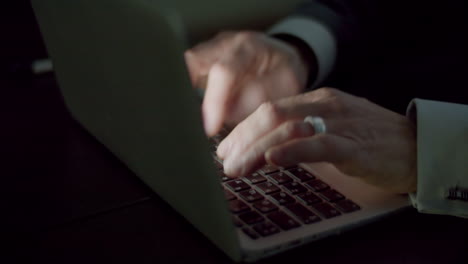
(20, 37)
(66, 199)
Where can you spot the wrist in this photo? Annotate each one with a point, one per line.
(307, 58)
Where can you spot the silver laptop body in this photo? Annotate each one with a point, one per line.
(120, 67)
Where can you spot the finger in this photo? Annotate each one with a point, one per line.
(223, 87)
(318, 148)
(251, 95)
(259, 90)
(265, 119)
(200, 58)
(216, 101)
(240, 164)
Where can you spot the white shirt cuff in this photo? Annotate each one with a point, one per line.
(442, 165)
(319, 38)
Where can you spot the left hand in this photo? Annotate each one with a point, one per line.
(241, 70)
(362, 139)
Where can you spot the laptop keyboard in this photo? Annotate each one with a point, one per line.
(274, 199)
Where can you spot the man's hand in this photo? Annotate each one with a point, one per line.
(362, 139)
(240, 71)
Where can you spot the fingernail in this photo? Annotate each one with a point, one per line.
(230, 167)
(207, 128)
(208, 124)
(227, 167)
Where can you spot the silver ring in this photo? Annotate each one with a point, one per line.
(317, 123)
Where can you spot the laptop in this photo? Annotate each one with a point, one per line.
(120, 68)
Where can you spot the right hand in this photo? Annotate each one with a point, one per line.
(240, 71)
(363, 139)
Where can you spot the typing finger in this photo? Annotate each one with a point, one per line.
(240, 164)
(223, 87)
(200, 58)
(265, 119)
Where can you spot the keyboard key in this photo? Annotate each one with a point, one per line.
(304, 214)
(255, 178)
(301, 174)
(237, 185)
(236, 221)
(280, 178)
(238, 206)
(283, 220)
(317, 185)
(266, 229)
(332, 195)
(295, 188)
(268, 187)
(283, 198)
(250, 233)
(267, 169)
(224, 178)
(265, 206)
(251, 218)
(229, 195)
(326, 210)
(309, 198)
(251, 195)
(347, 206)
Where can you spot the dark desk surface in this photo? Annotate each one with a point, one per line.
(68, 200)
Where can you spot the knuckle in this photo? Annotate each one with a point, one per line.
(327, 92)
(333, 100)
(190, 55)
(336, 105)
(271, 111)
(363, 100)
(246, 36)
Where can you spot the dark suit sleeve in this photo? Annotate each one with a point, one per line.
(407, 35)
(364, 29)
